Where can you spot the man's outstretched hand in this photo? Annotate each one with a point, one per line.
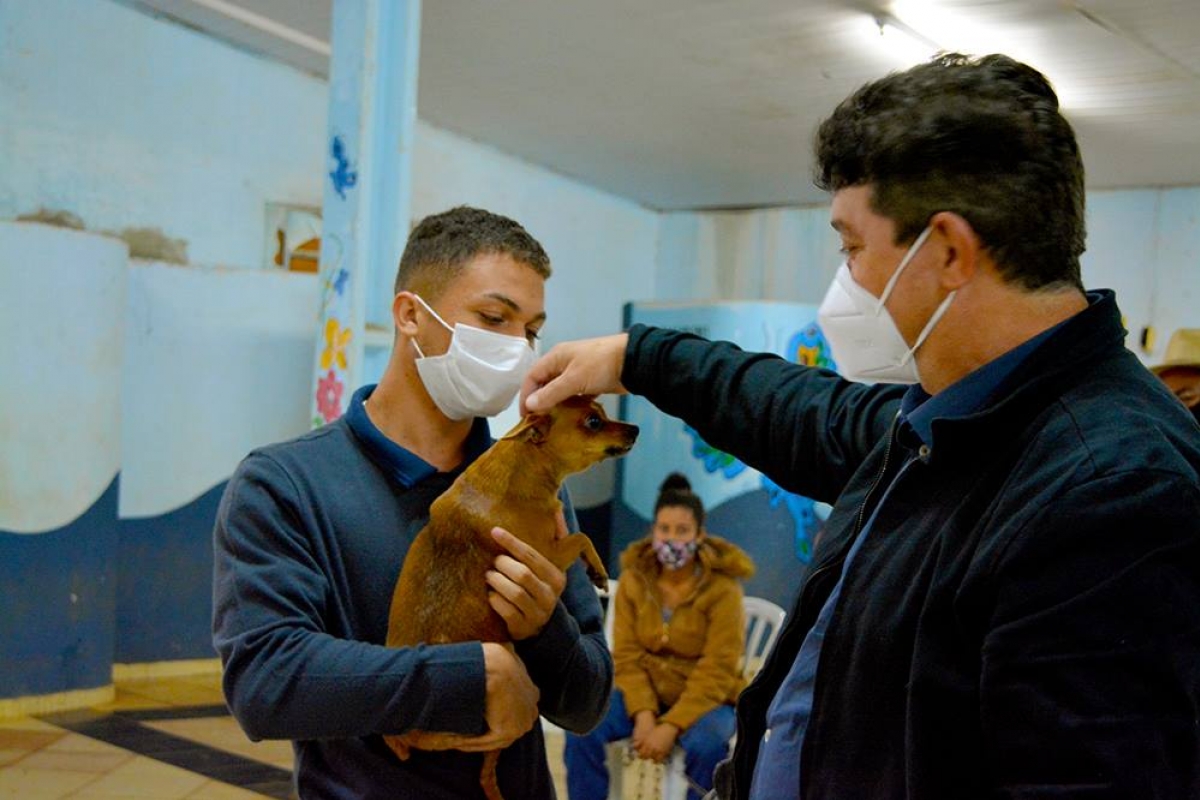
(585, 366)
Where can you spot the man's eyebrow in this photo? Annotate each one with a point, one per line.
(838, 225)
(513, 304)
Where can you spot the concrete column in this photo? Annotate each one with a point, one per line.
(368, 180)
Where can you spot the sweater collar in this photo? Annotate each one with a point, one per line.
(403, 465)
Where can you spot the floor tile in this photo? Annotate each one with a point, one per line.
(63, 761)
(215, 790)
(40, 784)
(142, 777)
(28, 724)
(15, 739)
(77, 743)
(224, 734)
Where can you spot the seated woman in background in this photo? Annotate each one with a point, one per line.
(677, 647)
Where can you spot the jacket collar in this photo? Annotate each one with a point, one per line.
(1076, 345)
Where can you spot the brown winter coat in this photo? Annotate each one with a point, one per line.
(683, 668)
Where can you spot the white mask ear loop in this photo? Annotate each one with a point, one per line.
(941, 309)
(891, 284)
(435, 316)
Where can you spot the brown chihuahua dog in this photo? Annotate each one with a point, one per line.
(442, 593)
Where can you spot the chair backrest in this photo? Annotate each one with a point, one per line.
(764, 620)
(609, 614)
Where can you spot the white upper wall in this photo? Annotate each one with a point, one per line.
(128, 120)
(1142, 243)
(132, 121)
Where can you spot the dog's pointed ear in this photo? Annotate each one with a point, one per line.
(533, 428)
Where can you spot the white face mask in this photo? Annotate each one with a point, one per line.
(865, 341)
(479, 374)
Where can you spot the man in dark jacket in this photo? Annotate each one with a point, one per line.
(1006, 602)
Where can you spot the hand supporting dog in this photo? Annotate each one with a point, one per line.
(526, 586)
(510, 703)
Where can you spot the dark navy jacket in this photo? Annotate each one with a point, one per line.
(309, 541)
(1024, 620)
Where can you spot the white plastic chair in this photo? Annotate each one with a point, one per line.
(764, 621)
(609, 614)
(606, 601)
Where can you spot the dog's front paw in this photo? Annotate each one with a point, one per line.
(599, 580)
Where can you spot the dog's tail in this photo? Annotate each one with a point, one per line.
(487, 775)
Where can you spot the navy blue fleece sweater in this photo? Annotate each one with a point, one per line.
(309, 540)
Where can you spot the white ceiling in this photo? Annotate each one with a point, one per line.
(712, 103)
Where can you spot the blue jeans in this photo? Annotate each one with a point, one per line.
(705, 744)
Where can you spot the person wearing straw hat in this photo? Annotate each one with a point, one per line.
(1180, 369)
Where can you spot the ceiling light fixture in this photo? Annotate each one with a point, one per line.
(904, 45)
(915, 30)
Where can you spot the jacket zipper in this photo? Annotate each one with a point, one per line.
(862, 510)
(887, 454)
(662, 607)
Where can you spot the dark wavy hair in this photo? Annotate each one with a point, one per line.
(441, 245)
(677, 491)
(981, 137)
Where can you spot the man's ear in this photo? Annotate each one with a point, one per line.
(533, 428)
(404, 313)
(963, 249)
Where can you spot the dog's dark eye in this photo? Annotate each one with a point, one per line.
(593, 422)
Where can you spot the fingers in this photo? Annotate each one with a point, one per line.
(526, 562)
(647, 751)
(545, 370)
(512, 698)
(524, 606)
(525, 586)
(522, 552)
(514, 581)
(588, 366)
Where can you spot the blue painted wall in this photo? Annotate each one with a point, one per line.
(164, 588)
(58, 595)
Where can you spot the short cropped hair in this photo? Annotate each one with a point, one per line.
(980, 137)
(441, 245)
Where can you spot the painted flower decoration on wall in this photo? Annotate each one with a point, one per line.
(336, 340)
(329, 396)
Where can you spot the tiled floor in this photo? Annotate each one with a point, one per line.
(163, 739)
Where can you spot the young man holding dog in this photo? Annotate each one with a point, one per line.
(1006, 602)
(311, 535)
